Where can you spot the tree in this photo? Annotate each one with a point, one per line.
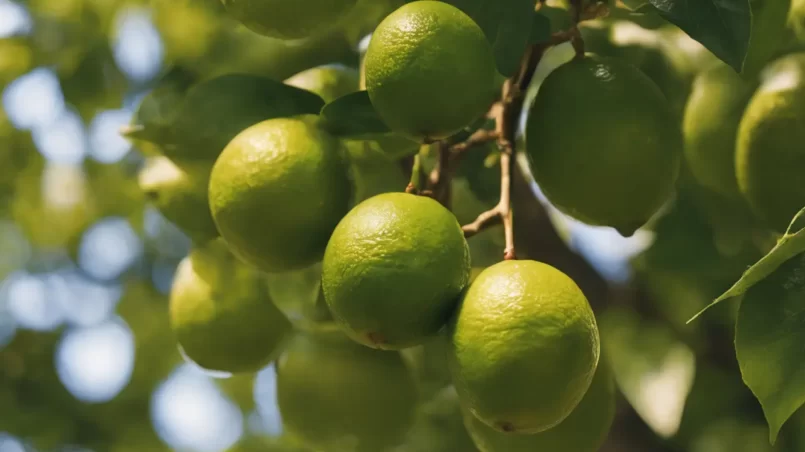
(408, 226)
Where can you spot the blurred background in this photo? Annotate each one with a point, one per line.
(87, 360)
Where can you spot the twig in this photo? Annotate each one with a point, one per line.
(415, 185)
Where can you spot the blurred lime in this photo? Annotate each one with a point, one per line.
(221, 313)
(770, 155)
(584, 159)
(394, 268)
(180, 194)
(288, 20)
(329, 82)
(277, 192)
(430, 70)
(439, 426)
(339, 396)
(710, 127)
(524, 347)
(373, 172)
(585, 430)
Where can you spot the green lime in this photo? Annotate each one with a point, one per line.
(329, 82)
(335, 395)
(604, 145)
(430, 70)
(585, 430)
(770, 156)
(180, 194)
(373, 172)
(221, 313)
(523, 347)
(394, 269)
(710, 127)
(285, 19)
(277, 192)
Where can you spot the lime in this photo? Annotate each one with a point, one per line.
(373, 172)
(710, 128)
(430, 70)
(394, 269)
(289, 19)
(335, 395)
(329, 82)
(277, 192)
(585, 430)
(604, 145)
(221, 313)
(180, 194)
(770, 157)
(523, 347)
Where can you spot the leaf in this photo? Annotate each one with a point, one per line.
(769, 19)
(540, 29)
(635, 5)
(156, 110)
(723, 26)
(769, 334)
(790, 245)
(647, 360)
(353, 116)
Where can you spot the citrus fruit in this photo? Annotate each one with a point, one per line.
(288, 20)
(394, 269)
(430, 70)
(710, 127)
(221, 313)
(329, 82)
(373, 172)
(277, 192)
(523, 347)
(214, 111)
(339, 396)
(604, 145)
(585, 430)
(439, 426)
(180, 194)
(770, 156)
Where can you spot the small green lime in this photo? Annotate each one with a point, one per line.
(277, 192)
(221, 313)
(585, 430)
(604, 145)
(523, 348)
(771, 157)
(329, 82)
(430, 70)
(285, 19)
(180, 194)
(335, 395)
(710, 127)
(394, 269)
(373, 172)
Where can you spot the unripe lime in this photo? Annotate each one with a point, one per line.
(277, 192)
(604, 145)
(329, 82)
(523, 347)
(430, 70)
(221, 313)
(285, 19)
(771, 157)
(336, 395)
(394, 269)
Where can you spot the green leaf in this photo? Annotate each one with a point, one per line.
(723, 26)
(769, 19)
(769, 335)
(156, 109)
(635, 5)
(790, 245)
(353, 116)
(541, 28)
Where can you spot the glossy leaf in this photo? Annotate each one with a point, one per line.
(769, 335)
(353, 116)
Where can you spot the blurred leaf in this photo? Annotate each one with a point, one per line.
(353, 116)
(768, 33)
(541, 27)
(790, 245)
(723, 26)
(653, 369)
(769, 335)
(157, 108)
